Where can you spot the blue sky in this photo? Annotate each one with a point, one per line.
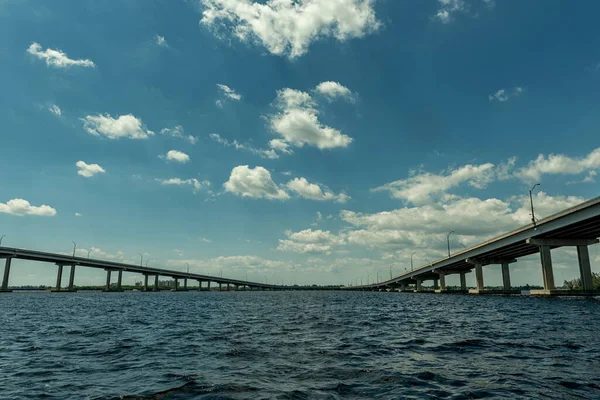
(311, 142)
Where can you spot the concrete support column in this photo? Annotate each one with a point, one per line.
(119, 280)
(6, 274)
(585, 269)
(200, 285)
(442, 281)
(107, 280)
(479, 276)
(184, 283)
(220, 288)
(156, 289)
(505, 276)
(435, 284)
(145, 283)
(463, 281)
(228, 287)
(59, 277)
(176, 283)
(547, 273)
(419, 285)
(72, 277)
(208, 286)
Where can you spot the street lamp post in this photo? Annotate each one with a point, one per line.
(1, 237)
(411, 260)
(448, 241)
(89, 252)
(391, 270)
(74, 247)
(368, 278)
(531, 202)
(188, 267)
(147, 263)
(221, 269)
(141, 259)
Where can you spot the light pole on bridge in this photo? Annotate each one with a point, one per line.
(147, 263)
(1, 237)
(448, 241)
(221, 269)
(391, 269)
(74, 247)
(188, 267)
(531, 201)
(89, 251)
(411, 260)
(368, 278)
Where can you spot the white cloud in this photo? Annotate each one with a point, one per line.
(280, 145)
(78, 214)
(56, 58)
(448, 8)
(560, 164)
(250, 264)
(54, 109)
(332, 90)
(160, 40)
(197, 185)
(309, 241)
(205, 240)
(177, 132)
(88, 170)
(263, 153)
(288, 28)
(254, 183)
(176, 156)
(229, 92)
(313, 191)
(22, 207)
(503, 95)
(96, 253)
(298, 124)
(125, 126)
(419, 189)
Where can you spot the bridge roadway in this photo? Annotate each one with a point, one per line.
(64, 260)
(578, 226)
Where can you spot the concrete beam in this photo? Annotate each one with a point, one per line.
(490, 261)
(561, 242)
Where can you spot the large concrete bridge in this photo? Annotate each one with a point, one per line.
(578, 227)
(73, 262)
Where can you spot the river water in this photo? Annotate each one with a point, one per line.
(296, 345)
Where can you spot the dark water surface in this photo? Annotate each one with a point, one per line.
(296, 345)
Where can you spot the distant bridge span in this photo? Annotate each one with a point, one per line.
(62, 260)
(577, 226)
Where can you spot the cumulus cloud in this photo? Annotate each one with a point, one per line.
(333, 90)
(419, 188)
(54, 109)
(448, 8)
(263, 153)
(177, 132)
(160, 40)
(88, 170)
(314, 192)
(176, 156)
(503, 95)
(254, 183)
(195, 183)
(560, 164)
(297, 123)
(125, 126)
(289, 27)
(22, 207)
(309, 241)
(232, 264)
(56, 58)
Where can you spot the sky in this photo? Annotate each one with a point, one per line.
(295, 142)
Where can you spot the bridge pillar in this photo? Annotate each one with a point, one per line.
(220, 286)
(107, 287)
(418, 286)
(547, 273)
(59, 277)
(208, 286)
(176, 283)
(435, 284)
(145, 283)
(184, 283)
(478, 276)
(156, 289)
(119, 280)
(72, 278)
(585, 269)
(228, 287)
(505, 276)
(442, 281)
(7, 263)
(463, 281)
(200, 285)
